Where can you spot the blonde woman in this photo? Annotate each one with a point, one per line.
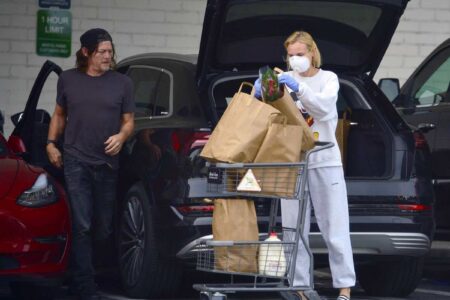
(317, 93)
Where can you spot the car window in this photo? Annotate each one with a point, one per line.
(432, 84)
(151, 91)
(162, 101)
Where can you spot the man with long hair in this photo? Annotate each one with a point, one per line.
(94, 109)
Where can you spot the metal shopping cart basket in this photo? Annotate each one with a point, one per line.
(276, 259)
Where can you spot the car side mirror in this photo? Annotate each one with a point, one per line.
(437, 99)
(41, 117)
(15, 119)
(390, 87)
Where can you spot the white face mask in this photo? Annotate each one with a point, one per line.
(299, 64)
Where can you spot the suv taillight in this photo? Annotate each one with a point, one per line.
(183, 141)
(414, 207)
(420, 141)
(195, 209)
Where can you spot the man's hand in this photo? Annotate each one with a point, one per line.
(155, 152)
(54, 155)
(114, 144)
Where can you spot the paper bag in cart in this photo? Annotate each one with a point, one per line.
(240, 131)
(282, 143)
(342, 130)
(288, 108)
(235, 220)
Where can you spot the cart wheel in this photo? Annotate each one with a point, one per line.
(211, 296)
(219, 296)
(311, 295)
(204, 296)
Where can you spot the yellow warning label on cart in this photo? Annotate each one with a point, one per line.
(249, 183)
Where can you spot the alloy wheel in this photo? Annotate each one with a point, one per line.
(132, 240)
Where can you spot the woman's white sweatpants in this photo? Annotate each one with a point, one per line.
(328, 195)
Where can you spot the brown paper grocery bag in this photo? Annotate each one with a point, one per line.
(282, 143)
(288, 108)
(342, 130)
(240, 131)
(235, 220)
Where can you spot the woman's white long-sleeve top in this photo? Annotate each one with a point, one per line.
(318, 96)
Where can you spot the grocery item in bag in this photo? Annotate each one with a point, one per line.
(270, 87)
(271, 259)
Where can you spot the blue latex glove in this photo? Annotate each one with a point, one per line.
(289, 81)
(257, 86)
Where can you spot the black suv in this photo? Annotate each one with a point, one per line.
(424, 102)
(161, 209)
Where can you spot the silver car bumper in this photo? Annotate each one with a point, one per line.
(372, 243)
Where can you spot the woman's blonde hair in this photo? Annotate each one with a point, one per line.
(305, 38)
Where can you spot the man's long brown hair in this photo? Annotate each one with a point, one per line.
(82, 61)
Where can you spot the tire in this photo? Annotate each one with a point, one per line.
(143, 272)
(391, 278)
(31, 291)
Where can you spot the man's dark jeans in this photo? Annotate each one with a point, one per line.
(92, 192)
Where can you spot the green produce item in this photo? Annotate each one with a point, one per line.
(270, 88)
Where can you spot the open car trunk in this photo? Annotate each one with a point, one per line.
(368, 147)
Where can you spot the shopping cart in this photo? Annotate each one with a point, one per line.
(274, 273)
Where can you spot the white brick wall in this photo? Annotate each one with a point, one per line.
(423, 26)
(136, 26)
(171, 26)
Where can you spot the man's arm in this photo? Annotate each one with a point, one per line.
(145, 137)
(115, 142)
(57, 125)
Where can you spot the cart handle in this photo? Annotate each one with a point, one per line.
(219, 243)
(319, 146)
(240, 243)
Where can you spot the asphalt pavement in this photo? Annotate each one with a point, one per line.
(435, 284)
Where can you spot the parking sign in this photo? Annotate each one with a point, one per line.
(54, 33)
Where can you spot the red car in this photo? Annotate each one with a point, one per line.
(34, 221)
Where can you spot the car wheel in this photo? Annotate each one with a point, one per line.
(144, 273)
(30, 291)
(391, 278)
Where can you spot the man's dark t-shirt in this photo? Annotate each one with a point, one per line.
(94, 106)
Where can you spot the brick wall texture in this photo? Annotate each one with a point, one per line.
(139, 26)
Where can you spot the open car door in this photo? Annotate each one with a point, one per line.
(29, 137)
